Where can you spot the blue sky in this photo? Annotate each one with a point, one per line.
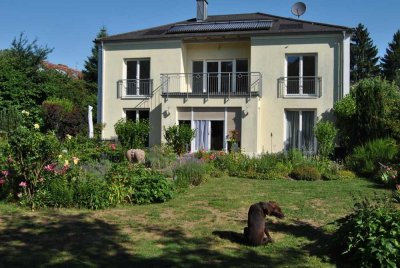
(70, 26)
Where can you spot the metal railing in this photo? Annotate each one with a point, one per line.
(212, 84)
(306, 86)
(128, 88)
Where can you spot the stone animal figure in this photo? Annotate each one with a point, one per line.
(254, 232)
(135, 156)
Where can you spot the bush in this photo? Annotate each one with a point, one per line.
(346, 175)
(325, 133)
(132, 134)
(30, 152)
(307, 173)
(91, 192)
(60, 116)
(161, 157)
(10, 119)
(365, 159)
(179, 137)
(192, 172)
(370, 236)
(59, 193)
(152, 190)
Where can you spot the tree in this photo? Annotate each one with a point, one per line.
(391, 60)
(21, 74)
(371, 111)
(364, 55)
(91, 64)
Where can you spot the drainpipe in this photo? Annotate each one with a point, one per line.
(100, 107)
(345, 64)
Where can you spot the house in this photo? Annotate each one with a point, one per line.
(269, 78)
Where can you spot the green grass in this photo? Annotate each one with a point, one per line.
(201, 227)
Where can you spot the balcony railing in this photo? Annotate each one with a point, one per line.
(211, 84)
(306, 86)
(135, 88)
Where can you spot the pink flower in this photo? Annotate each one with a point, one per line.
(23, 184)
(5, 173)
(112, 146)
(2, 181)
(398, 187)
(50, 167)
(212, 156)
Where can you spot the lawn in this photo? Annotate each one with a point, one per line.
(201, 227)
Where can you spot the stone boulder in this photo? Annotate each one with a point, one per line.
(136, 156)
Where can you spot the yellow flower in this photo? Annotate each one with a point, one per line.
(25, 112)
(69, 136)
(36, 126)
(60, 156)
(76, 160)
(66, 163)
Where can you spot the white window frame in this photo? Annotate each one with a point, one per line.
(125, 76)
(301, 55)
(300, 126)
(137, 113)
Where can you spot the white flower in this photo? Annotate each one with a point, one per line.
(64, 151)
(36, 126)
(69, 136)
(25, 112)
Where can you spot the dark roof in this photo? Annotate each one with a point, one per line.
(236, 25)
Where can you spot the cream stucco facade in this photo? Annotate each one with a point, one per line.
(260, 118)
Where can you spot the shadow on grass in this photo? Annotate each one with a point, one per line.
(80, 241)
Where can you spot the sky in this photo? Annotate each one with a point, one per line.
(70, 26)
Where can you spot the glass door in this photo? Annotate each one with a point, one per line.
(212, 77)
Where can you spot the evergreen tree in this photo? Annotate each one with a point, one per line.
(91, 64)
(391, 60)
(364, 55)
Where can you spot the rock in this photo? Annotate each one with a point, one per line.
(136, 156)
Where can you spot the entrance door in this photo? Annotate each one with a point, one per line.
(217, 135)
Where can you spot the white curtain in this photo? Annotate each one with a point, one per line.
(307, 133)
(292, 129)
(202, 139)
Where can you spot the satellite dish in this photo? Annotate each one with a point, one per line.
(299, 9)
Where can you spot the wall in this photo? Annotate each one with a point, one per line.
(268, 57)
(165, 57)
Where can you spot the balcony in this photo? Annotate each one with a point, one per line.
(223, 84)
(134, 88)
(302, 87)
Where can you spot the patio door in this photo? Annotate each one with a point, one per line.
(219, 76)
(209, 135)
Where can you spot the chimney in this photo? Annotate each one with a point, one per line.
(202, 6)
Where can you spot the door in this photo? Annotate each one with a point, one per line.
(217, 135)
(226, 76)
(198, 77)
(212, 77)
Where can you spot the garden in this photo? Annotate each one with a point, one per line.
(70, 200)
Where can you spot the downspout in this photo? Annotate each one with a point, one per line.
(100, 108)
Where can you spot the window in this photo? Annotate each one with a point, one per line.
(138, 81)
(301, 75)
(300, 130)
(221, 76)
(136, 115)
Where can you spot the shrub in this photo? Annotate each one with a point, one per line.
(91, 192)
(60, 116)
(179, 137)
(346, 175)
(56, 192)
(370, 236)
(365, 159)
(306, 172)
(132, 134)
(152, 190)
(161, 157)
(192, 172)
(30, 152)
(10, 119)
(325, 133)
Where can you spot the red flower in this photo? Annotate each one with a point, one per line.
(212, 156)
(112, 146)
(2, 181)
